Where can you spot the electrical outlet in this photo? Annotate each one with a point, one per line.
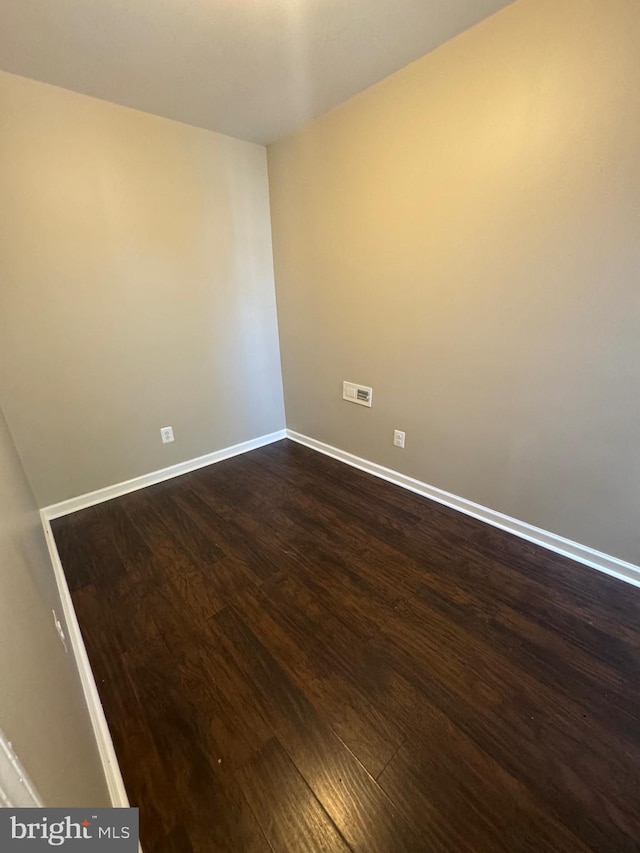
(60, 630)
(398, 437)
(167, 434)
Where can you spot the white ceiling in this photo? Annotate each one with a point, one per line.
(255, 69)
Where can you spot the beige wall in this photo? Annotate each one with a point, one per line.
(42, 709)
(465, 237)
(136, 289)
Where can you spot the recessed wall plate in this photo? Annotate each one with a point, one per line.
(360, 394)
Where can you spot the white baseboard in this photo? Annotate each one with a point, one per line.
(16, 788)
(118, 489)
(117, 791)
(101, 732)
(620, 569)
(627, 572)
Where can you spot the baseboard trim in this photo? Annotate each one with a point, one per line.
(620, 569)
(109, 492)
(113, 776)
(117, 791)
(16, 788)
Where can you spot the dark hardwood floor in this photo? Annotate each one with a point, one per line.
(295, 656)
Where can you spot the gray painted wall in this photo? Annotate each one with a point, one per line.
(42, 708)
(136, 292)
(465, 238)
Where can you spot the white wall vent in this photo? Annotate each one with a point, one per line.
(360, 394)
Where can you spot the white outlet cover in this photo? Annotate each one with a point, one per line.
(399, 437)
(60, 630)
(166, 434)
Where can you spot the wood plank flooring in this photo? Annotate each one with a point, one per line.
(295, 656)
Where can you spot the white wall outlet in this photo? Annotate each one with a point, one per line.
(398, 437)
(360, 394)
(60, 630)
(167, 434)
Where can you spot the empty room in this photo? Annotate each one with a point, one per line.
(319, 415)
